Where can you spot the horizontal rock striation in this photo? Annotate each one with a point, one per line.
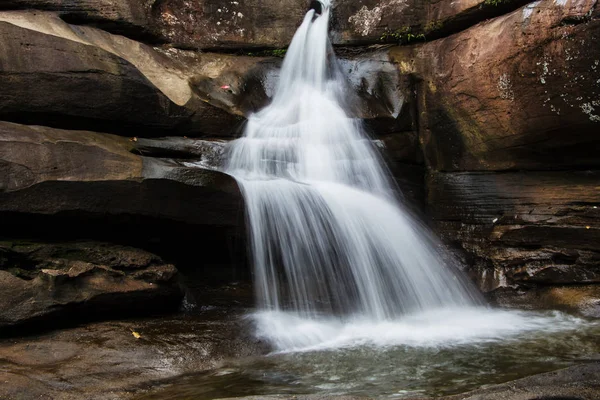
(49, 172)
(508, 127)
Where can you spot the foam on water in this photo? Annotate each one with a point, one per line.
(434, 328)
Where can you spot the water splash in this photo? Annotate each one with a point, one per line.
(329, 238)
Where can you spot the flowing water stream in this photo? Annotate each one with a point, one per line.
(354, 295)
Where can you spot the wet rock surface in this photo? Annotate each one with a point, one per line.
(578, 382)
(119, 359)
(494, 124)
(581, 299)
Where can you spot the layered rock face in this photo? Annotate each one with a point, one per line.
(45, 282)
(114, 116)
(98, 109)
(509, 129)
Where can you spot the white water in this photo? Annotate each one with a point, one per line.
(337, 260)
(435, 328)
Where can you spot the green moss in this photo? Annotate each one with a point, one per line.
(403, 35)
(268, 53)
(433, 26)
(495, 3)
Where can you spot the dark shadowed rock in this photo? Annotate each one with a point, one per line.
(50, 80)
(205, 152)
(44, 282)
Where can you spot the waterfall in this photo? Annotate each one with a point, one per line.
(329, 238)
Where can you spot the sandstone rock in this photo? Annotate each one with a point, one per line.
(521, 228)
(228, 24)
(58, 75)
(208, 153)
(406, 21)
(46, 171)
(366, 21)
(446, 17)
(127, 17)
(42, 281)
(103, 360)
(213, 24)
(105, 82)
(581, 299)
(514, 92)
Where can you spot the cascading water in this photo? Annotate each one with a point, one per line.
(327, 234)
(336, 257)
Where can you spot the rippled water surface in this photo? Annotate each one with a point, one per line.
(421, 355)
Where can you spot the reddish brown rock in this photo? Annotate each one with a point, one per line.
(58, 75)
(582, 299)
(519, 91)
(52, 172)
(228, 24)
(225, 24)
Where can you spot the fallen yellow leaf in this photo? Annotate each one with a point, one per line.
(136, 335)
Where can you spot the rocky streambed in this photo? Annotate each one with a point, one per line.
(209, 353)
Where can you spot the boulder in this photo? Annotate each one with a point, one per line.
(60, 75)
(49, 281)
